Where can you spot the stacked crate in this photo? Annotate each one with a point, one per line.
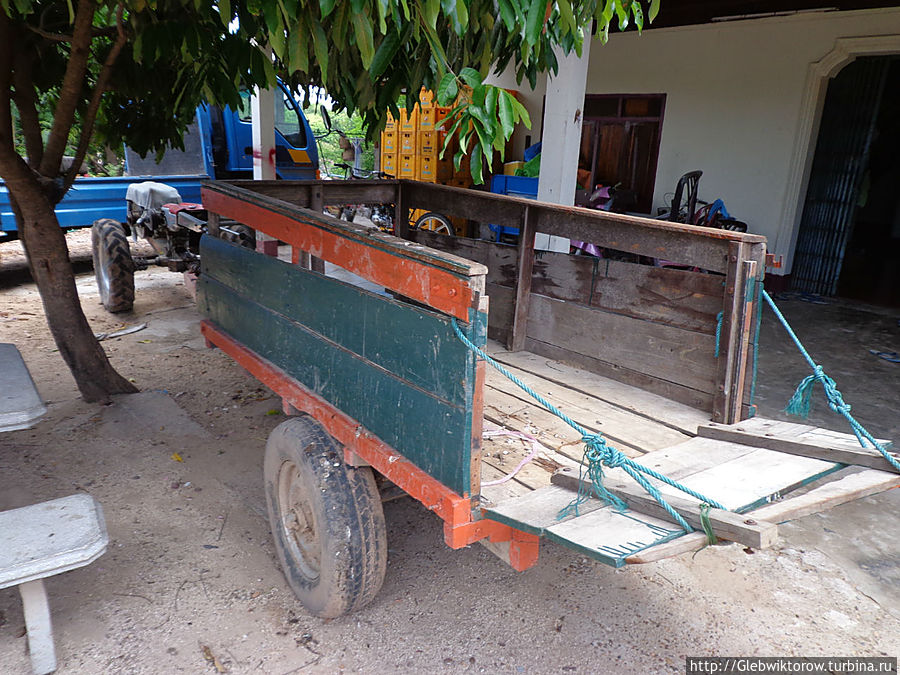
(411, 146)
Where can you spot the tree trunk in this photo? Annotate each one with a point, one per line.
(48, 258)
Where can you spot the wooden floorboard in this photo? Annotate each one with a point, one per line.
(612, 421)
(653, 407)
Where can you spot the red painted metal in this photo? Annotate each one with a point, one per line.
(434, 287)
(523, 546)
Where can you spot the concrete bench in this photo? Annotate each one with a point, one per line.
(42, 540)
(20, 403)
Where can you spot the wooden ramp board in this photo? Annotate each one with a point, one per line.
(598, 531)
(801, 439)
(740, 477)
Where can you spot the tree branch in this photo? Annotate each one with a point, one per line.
(26, 103)
(70, 91)
(7, 146)
(90, 116)
(62, 37)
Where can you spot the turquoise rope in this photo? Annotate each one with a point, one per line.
(719, 317)
(801, 401)
(598, 453)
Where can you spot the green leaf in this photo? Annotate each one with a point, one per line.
(475, 164)
(470, 76)
(320, 46)
(430, 11)
(462, 15)
(326, 7)
(506, 114)
(298, 54)
(568, 17)
(654, 10)
(225, 11)
(383, 6)
(508, 14)
(447, 90)
(535, 21)
(384, 55)
(638, 15)
(478, 96)
(364, 38)
(490, 99)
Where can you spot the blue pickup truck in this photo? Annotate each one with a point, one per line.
(217, 145)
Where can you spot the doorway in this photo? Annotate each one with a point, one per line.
(620, 145)
(849, 240)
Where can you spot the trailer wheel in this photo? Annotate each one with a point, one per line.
(113, 265)
(326, 519)
(434, 222)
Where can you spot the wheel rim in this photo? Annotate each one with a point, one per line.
(433, 224)
(298, 523)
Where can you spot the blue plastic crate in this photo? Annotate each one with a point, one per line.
(513, 186)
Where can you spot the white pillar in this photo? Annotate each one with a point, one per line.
(561, 136)
(262, 107)
(262, 111)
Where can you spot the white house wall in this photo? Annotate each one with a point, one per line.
(734, 95)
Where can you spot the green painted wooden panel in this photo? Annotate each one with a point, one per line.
(430, 427)
(413, 343)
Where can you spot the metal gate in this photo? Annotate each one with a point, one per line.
(842, 154)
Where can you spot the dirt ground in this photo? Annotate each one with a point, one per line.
(190, 583)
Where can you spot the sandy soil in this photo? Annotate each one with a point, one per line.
(190, 583)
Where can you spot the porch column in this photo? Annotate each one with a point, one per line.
(561, 136)
(262, 111)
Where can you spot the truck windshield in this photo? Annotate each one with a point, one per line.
(287, 120)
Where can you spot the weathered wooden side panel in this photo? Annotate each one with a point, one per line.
(647, 326)
(397, 369)
(678, 298)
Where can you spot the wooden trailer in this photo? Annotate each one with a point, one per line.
(356, 330)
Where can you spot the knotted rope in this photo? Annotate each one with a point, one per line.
(597, 454)
(801, 401)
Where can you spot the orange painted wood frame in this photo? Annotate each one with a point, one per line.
(460, 528)
(432, 286)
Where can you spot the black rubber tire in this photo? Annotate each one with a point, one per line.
(326, 519)
(435, 222)
(113, 265)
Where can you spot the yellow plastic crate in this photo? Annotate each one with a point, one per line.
(428, 143)
(407, 142)
(408, 120)
(389, 162)
(426, 119)
(426, 169)
(391, 124)
(389, 141)
(426, 98)
(406, 165)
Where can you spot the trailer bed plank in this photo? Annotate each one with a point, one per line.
(662, 410)
(589, 411)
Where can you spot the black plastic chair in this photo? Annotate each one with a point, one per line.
(688, 182)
